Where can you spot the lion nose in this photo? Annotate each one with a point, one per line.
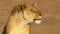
(39, 14)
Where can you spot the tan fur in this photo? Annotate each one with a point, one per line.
(17, 24)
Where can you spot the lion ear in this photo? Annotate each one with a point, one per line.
(34, 4)
(26, 4)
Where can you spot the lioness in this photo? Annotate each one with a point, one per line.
(21, 17)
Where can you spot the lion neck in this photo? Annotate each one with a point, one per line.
(19, 24)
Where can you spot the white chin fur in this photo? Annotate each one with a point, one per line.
(38, 21)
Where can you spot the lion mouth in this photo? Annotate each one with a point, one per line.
(37, 21)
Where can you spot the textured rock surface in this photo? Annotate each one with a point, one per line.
(50, 11)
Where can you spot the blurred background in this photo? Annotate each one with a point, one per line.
(50, 11)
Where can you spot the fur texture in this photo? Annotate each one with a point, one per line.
(20, 19)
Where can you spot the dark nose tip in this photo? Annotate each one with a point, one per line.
(39, 14)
